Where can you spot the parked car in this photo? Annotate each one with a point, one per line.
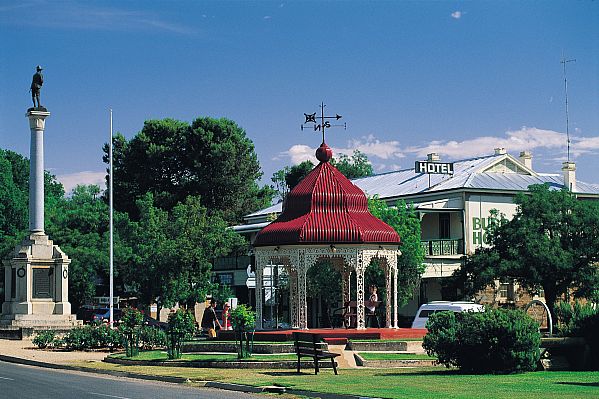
(150, 321)
(443, 306)
(86, 313)
(104, 314)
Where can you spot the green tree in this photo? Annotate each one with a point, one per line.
(324, 281)
(79, 225)
(14, 199)
(181, 326)
(352, 167)
(173, 251)
(551, 243)
(211, 158)
(410, 266)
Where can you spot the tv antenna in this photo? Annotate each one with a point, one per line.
(324, 123)
(564, 61)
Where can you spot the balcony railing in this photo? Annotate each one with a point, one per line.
(442, 247)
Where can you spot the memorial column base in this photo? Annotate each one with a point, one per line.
(36, 277)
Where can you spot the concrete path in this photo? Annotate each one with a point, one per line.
(346, 360)
(26, 350)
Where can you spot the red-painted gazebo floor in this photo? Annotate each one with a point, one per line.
(369, 333)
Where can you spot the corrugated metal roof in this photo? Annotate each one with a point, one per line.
(468, 174)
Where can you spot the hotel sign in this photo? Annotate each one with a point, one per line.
(434, 167)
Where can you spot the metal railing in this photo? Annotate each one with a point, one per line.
(440, 247)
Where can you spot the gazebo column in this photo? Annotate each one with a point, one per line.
(301, 286)
(395, 298)
(293, 297)
(259, 273)
(361, 325)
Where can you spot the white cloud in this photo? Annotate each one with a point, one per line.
(71, 180)
(267, 17)
(456, 14)
(93, 17)
(299, 153)
(373, 147)
(523, 139)
(369, 145)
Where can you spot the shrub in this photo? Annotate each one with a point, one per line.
(243, 320)
(44, 339)
(105, 337)
(130, 326)
(181, 326)
(494, 341)
(580, 320)
(80, 338)
(152, 337)
(572, 319)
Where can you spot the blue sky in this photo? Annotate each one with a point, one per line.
(458, 78)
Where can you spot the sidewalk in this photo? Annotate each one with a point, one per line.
(26, 350)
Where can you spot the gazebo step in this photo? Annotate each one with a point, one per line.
(336, 341)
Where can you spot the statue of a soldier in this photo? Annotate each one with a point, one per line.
(36, 85)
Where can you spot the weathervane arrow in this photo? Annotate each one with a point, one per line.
(324, 123)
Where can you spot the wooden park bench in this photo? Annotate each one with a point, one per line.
(312, 345)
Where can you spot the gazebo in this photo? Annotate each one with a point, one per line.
(326, 217)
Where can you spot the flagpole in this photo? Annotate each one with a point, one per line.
(111, 306)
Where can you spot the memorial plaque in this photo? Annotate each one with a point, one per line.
(42, 283)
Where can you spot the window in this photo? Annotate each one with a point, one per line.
(506, 290)
(444, 225)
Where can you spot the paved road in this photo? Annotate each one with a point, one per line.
(26, 382)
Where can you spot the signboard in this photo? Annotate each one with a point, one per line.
(434, 167)
(105, 300)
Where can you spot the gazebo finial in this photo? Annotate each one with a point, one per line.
(324, 153)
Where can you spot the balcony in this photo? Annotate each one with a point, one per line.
(442, 247)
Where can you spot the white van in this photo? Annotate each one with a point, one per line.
(441, 306)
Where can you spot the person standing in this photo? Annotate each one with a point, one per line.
(226, 316)
(371, 305)
(209, 320)
(36, 84)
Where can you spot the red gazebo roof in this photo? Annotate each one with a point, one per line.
(326, 208)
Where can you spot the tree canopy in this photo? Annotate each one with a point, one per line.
(410, 266)
(14, 198)
(173, 251)
(210, 158)
(352, 167)
(552, 243)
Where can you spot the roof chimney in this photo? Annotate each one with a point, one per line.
(500, 151)
(433, 157)
(526, 159)
(569, 171)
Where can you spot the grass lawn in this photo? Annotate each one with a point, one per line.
(395, 356)
(161, 355)
(396, 383)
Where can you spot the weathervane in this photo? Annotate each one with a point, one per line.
(324, 123)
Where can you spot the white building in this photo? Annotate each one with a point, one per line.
(454, 208)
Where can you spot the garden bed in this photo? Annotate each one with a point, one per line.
(387, 360)
(212, 360)
(231, 347)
